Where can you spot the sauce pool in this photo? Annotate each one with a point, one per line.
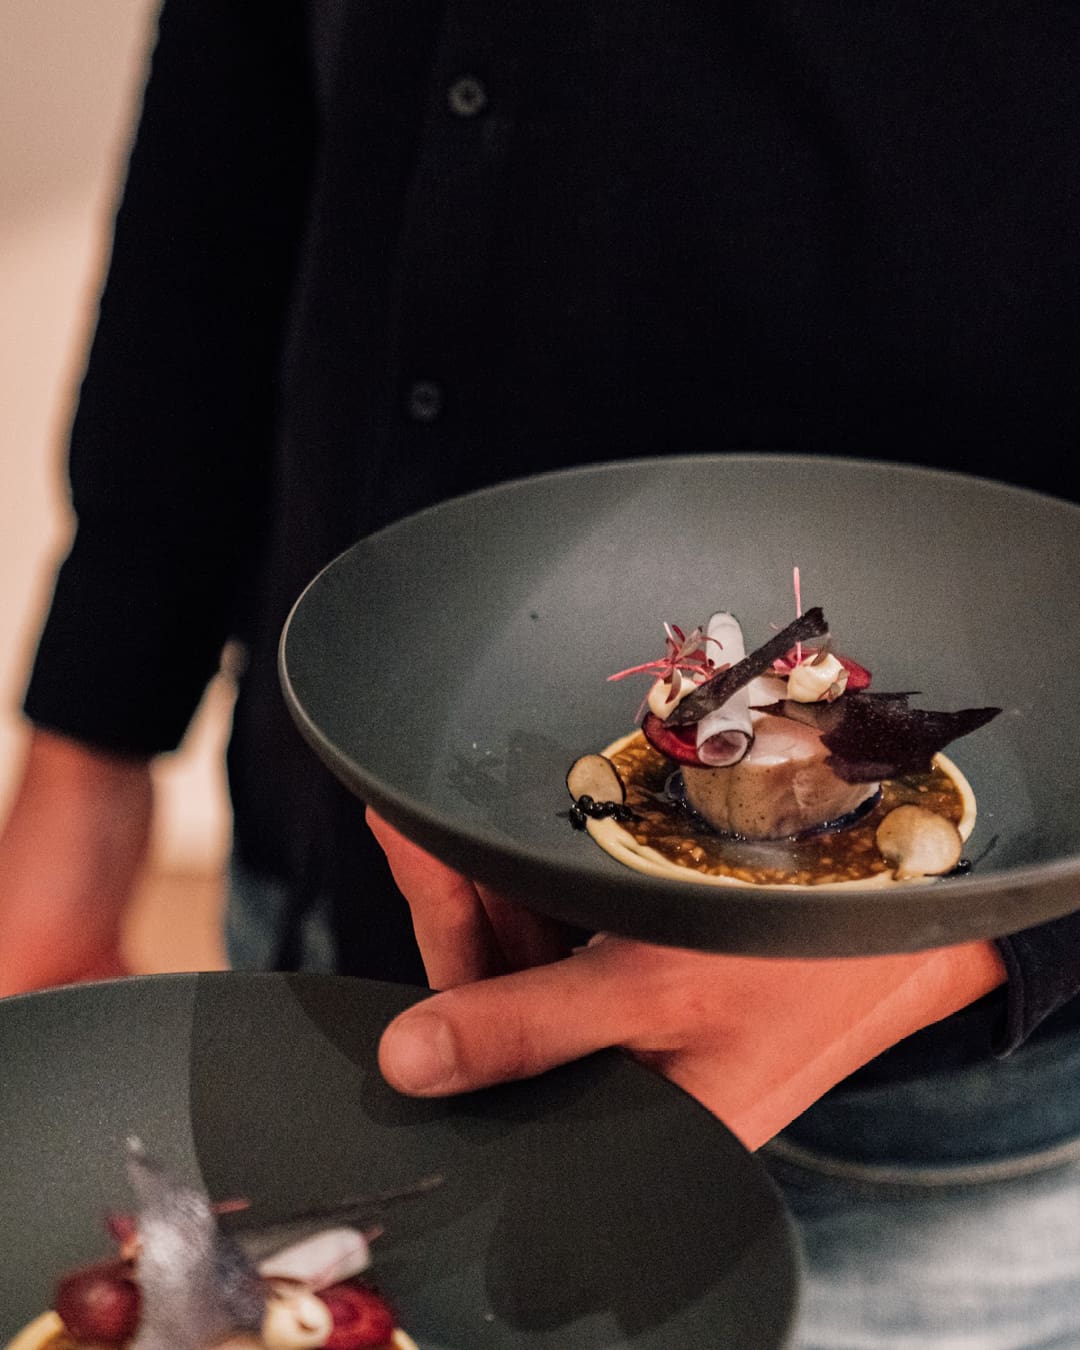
(847, 853)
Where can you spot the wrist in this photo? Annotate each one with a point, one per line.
(874, 1003)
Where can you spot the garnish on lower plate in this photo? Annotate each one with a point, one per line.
(776, 768)
(180, 1282)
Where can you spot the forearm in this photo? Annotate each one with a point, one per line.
(70, 852)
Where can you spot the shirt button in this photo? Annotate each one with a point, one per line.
(424, 401)
(467, 96)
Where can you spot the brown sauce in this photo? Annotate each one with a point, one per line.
(846, 854)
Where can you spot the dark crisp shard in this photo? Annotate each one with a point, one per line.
(871, 736)
(715, 693)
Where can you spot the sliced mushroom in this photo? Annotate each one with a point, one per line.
(918, 842)
(596, 777)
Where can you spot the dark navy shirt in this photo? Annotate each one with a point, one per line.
(373, 252)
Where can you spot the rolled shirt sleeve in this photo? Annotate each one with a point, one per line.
(1043, 969)
(171, 452)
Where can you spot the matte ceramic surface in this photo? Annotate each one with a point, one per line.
(596, 1208)
(450, 668)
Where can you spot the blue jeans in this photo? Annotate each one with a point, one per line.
(256, 916)
(942, 1212)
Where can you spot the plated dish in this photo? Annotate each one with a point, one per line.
(265, 1087)
(779, 767)
(934, 576)
(180, 1281)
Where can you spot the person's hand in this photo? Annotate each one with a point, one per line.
(756, 1040)
(70, 851)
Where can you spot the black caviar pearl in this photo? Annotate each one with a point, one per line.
(586, 806)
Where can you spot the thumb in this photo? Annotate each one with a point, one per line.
(514, 1026)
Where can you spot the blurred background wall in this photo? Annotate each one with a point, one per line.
(71, 73)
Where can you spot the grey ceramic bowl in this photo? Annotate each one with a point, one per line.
(595, 1208)
(451, 667)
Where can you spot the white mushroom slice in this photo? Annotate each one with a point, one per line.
(297, 1320)
(725, 734)
(918, 842)
(325, 1258)
(596, 777)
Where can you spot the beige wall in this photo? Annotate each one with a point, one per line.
(70, 74)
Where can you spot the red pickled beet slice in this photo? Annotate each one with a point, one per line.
(858, 677)
(362, 1318)
(99, 1303)
(678, 743)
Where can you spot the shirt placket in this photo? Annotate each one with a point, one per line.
(443, 270)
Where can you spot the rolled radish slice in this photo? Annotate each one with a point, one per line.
(725, 734)
(324, 1258)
